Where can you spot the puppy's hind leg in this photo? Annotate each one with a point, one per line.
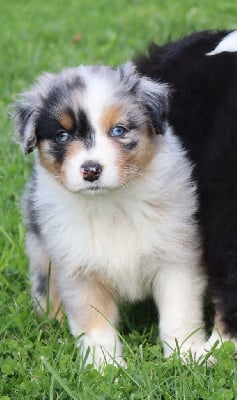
(43, 283)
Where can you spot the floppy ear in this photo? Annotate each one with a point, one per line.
(153, 95)
(25, 118)
(27, 109)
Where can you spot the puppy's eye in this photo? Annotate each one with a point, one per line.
(118, 130)
(63, 137)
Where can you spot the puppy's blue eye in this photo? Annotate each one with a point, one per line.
(63, 137)
(118, 130)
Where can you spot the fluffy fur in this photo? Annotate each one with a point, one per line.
(201, 69)
(110, 207)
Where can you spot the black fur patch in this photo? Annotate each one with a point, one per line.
(58, 151)
(60, 93)
(158, 121)
(203, 112)
(32, 215)
(47, 126)
(130, 146)
(24, 115)
(33, 220)
(85, 131)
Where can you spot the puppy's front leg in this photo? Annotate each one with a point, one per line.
(92, 313)
(178, 292)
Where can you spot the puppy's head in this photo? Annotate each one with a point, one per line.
(94, 127)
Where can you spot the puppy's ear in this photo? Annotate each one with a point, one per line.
(153, 95)
(26, 110)
(25, 115)
(129, 76)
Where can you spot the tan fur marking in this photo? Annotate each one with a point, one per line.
(46, 159)
(100, 307)
(55, 310)
(66, 121)
(111, 117)
(133, 163)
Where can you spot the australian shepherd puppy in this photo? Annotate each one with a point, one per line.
(110, 207)
(112, 203)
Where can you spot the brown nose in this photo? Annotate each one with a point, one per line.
(91, 171)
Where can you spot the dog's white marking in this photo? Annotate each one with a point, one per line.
(229, 44)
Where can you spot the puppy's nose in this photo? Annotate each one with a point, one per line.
(91, 171)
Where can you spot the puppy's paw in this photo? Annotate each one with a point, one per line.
(217, 339)
(199, 354)
(219, 343)
(188, 351)
(99, 352)
(203, 352)
(100, 356)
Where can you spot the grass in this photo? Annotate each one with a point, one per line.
(38, 358)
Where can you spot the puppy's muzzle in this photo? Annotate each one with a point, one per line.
(91, 171)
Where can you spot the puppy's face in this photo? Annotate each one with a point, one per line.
(94, 127)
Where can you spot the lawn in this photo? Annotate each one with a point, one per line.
(38, 358)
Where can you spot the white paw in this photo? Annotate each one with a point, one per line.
(100, 356)
(215, 342)
(101, 350)
(199, 351)
(217, 339)
(191, 349)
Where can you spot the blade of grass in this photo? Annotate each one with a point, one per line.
(57, 377)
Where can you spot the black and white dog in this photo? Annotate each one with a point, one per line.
(202, 70)
(119, 184)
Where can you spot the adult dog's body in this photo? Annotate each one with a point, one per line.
(112, 201)
(202, 70)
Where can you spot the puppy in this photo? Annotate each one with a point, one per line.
(201, 69)
(110, 207)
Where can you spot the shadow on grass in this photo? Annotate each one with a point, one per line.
(141, 316)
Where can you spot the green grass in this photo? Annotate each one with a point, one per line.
(38, 358)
